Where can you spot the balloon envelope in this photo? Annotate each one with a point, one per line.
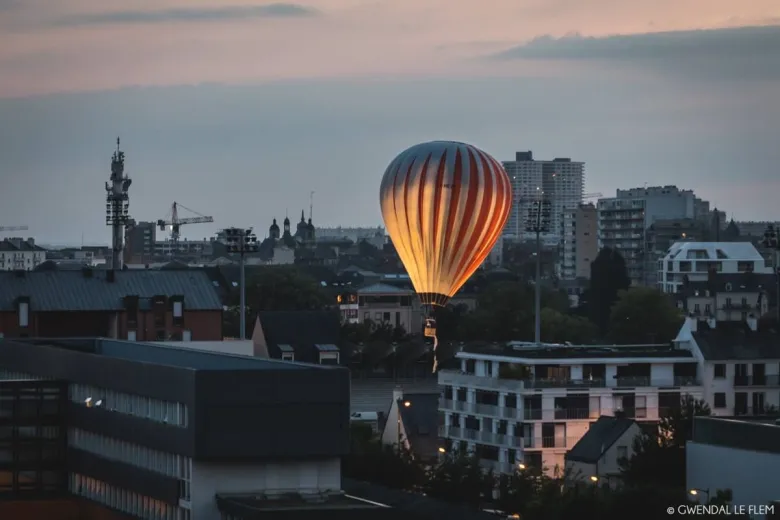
(444, 205)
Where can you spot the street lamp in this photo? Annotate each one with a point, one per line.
(538, 222)
(241, 241)
(442, 450)
(521, 466)
(594, 478)
(772, 242)
(696, 492)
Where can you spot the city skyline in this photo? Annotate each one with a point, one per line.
(241, 111)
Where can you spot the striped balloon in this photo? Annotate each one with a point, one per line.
(444, 205)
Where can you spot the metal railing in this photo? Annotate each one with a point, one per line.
(469, 434)
(770, 380)
(456, 378)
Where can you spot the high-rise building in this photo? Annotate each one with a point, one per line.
(579, 242)
(561, 181)
(140, 239)
(625, 219)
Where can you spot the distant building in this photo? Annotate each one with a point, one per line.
(579, 242)
(663, 233)
(738, 455)
(129, 304)
(376, 236)
(387, 304)
(562, 181)
(596, 456)
(18, 254)
(726, 297)
(140, 242)
(624, 221)
(695, 261)
(151, 431)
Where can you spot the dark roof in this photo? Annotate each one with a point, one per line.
(599, 438)
(18, 245)
(91, 291)
(167, 355)
(579, 351)
(302, 330)
(761, 436)
(421, 422)
(735, 341)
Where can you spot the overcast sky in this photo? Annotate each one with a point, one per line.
(240, 110)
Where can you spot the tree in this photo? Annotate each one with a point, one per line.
(608, 276)
(560, 328)
(459, 478)
(371, 461)
(369, 330)
(659, 457)
(644, 315)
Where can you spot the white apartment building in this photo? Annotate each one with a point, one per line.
(521, 403)
(579, 242)
(625, 218)
(18, 254)
(561, 181)
(695, 261)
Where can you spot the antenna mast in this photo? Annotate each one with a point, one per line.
(117, 205)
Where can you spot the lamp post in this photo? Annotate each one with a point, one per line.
(772, 242)
(538, 222)
(406, 404)
(241, 241)
(695, 492)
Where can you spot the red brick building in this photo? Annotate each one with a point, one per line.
(141, 305)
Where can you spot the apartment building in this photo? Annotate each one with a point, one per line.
(18, 254)
(521, 403)
(696, 261)
(387, 304)
(579, 243)
(561, 181)
(739, 364)
(624, 221)
(140, 238)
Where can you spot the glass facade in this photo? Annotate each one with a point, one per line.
(33, 441)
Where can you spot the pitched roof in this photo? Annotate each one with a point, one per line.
(599, 438)
(18, 245)
(75, 291)
(736, 341)
(714, 250)
(301, 330)
(731, 282)
(421, 422)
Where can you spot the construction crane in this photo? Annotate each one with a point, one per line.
(13, 228)
(173, 222)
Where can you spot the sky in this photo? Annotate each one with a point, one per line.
(241, 109)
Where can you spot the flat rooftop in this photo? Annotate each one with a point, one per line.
(749, 434)
(556, 351)
(166, 355)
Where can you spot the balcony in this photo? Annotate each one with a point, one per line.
(574, 414)
(472, 408)
(467, 434)
(771, 380)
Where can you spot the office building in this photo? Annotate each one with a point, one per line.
(625, 219)
(561, 181)
(140, 240)
(129, 304)
(156, 432)
(739, 455)
(521, 403)
(697, 261)
(579, 242)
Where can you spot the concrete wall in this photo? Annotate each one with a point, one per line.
(209, 479)
(751, 476)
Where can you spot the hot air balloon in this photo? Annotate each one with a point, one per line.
(444, 205)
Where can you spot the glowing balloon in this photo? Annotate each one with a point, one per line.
(444, 205)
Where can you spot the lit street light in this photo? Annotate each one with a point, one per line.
(242, 242)
(696, 492)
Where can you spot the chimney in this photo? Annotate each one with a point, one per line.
(693, 323)
(398, 394)
(110, 276)
(752, 322)
(31, 241)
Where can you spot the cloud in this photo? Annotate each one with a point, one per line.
(216, 14)
(733, 53)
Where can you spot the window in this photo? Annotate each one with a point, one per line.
(24, 314)
(720, 400)
(720, 371)
(641, 407)
(288, 356)
(177, 309)
(622, 452)
(136, 405)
